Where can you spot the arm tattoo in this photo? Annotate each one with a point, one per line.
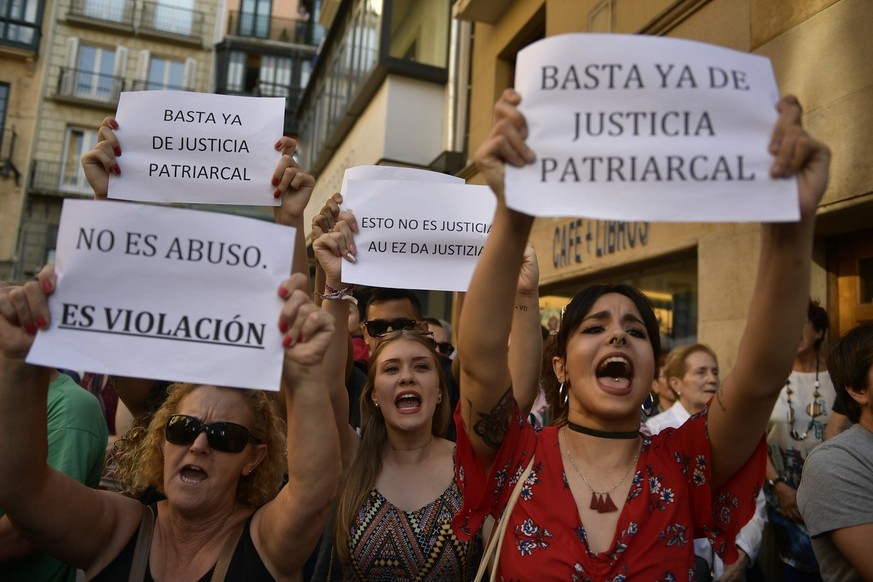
(492, 427)
(718, 398)
(521, 307)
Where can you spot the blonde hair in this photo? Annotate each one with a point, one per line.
(140, 460)
(362, 474)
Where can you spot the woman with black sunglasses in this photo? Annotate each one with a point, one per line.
(218, 454)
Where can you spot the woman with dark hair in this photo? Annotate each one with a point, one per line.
(797, 425)
(601, 500)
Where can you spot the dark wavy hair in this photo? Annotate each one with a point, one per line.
(849, 362)
(572, 318)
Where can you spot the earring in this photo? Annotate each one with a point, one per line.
(563, 394)
(376, 404)
(649, 405)
(439, 399)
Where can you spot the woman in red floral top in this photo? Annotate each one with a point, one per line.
(604, 501)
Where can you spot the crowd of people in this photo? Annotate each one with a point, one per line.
(396, 450)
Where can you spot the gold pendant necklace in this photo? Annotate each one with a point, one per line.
(813, 409)
(601, 502)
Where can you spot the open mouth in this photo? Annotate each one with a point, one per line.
(616, 372)
(193, 474)
(408, 402)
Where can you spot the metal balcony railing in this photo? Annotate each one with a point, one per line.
(154, 86)
(266, 27)
(114, 11)
(51, 177)
(88, 85)
(165, 19)
(19, 34)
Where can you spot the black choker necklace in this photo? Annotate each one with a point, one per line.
(604, 434)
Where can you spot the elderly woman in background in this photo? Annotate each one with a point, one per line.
(216, 454)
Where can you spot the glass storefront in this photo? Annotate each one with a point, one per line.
(671, 287)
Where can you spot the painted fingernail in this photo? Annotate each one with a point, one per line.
(30, 328)
(46, 286)
(117, 151)
(277, 193)
(287, 341)
(117, 170)
(278, 144)
(113, 124)
(283, 293)
(350, 258)
(41, 323)
(275, 181)
(283, 326)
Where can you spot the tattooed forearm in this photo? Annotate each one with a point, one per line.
(718, 398)
(491, 427)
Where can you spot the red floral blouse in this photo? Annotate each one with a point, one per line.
(669, 504)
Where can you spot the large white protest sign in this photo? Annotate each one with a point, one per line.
(167, 293)
(647, 128)
(417, 235)
(178, 146)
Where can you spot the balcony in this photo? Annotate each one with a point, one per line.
(112, 13)
(20, 34)
(265, 27)
(166, 21)
(51, 178)
(89, 88)
(139, 85)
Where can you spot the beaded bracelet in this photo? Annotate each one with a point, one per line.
(341, 294)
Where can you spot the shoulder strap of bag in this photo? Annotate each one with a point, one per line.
(495, 542)
(143, 545)
(227, 550)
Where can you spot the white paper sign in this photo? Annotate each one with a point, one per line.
(167, 293)
(647, 128)
(178, 146)
(395, 173)
(417, 235)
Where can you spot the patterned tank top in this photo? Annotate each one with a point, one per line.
(390, 544)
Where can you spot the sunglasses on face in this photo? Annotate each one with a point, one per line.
(379, 327)
(226, 437)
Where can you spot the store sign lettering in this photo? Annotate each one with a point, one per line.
(581, 239)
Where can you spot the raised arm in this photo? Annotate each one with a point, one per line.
(329, 248)
(740, 409)
(286, 529)
(486, 319)
(56, 513)
(294, 186)
(526, 339)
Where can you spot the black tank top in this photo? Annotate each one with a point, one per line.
(245, 565)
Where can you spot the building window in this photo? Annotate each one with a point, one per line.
(19, 21)
(93, 76)
(420, 31)
(275, 76)
(78, 141)
(254, 18)
(112, 10)
(165, 74)
(175, 17)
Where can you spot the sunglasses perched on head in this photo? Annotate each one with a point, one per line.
(226, 437)
(379, 327)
